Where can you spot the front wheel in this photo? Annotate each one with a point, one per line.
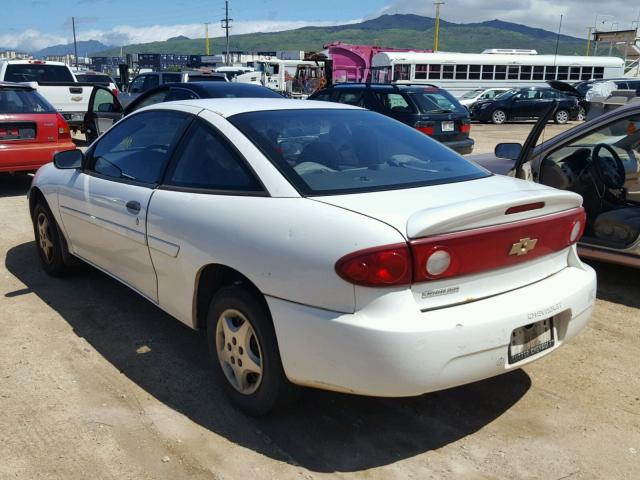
(498, 117)
(49, 242)
(244, 350)
(561, 117)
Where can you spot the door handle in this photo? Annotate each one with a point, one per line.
(133, 206)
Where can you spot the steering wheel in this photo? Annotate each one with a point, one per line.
(608, 170)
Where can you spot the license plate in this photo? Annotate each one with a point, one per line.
(447, 126)
(531, 339)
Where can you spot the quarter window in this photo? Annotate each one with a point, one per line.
(394, 102)
(206, 161)
(138, 147)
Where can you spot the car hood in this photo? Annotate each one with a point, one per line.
(425, 211)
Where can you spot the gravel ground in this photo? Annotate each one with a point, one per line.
(97, 382)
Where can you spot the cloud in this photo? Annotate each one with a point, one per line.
(30, 40)
(577, 14)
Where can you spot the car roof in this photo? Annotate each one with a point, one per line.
(14, 85)
(227, 107)
(220, 87)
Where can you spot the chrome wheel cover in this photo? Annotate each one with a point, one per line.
(44, 237)
(239, 351)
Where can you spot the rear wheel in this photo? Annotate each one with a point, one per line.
(49, 242)
(498, 117)
(582, 114)
(244, 350)
(561, 117)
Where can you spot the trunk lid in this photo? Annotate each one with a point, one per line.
(28, 128)
(428, 212)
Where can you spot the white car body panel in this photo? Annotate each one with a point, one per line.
(331, 334)
(467, 102)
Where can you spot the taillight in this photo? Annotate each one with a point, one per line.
(115, 92)
(425, 127)
(465, 126)
(489, 248)
(377, 267)
(63, 128)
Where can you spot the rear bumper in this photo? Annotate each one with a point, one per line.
(461, 146)
(392, 349)
(27, 157)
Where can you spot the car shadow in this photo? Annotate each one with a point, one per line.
(617, 283)
(14, 184)
(323, 432)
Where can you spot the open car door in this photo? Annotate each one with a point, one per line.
(520, 171)
(103, 111)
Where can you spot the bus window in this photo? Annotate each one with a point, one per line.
(538, 72)
(401, 71)
(461, 72)
(474, 72)
(550, 73)
(447, 71)
(587, 73)
(421, 72)
(563, 73)
(525, 72)
(501, 72)
(434, 72)
(487, 72)
(598, 72)
(574, 73)
(513, 72)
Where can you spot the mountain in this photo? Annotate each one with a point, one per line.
(402, 31)
(85, 47)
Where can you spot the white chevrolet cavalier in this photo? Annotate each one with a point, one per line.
(321, 245)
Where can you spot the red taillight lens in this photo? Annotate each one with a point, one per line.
(63, 128)
(377, 267)
(425, 127)
(465, 127)
(115, 92)
(483, 249)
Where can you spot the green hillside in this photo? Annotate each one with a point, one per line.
(402, 31)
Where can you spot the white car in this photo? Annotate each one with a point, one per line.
(472, 96)
(321, 245)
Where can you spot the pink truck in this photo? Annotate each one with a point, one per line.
(352, 63)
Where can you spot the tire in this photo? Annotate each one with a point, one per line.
(52, 249)
(498, 116)
(255, 344)
(561, 117)
(582, 114)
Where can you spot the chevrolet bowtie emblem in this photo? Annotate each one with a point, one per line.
(524, 246)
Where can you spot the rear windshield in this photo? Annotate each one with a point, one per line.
(436, 101)
(102, 79)
(323, 152)
(37, 73)
(23, 101)
(206, 78)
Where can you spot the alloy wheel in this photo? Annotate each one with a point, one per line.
(499, 117)
(239, 351)
(44, 237)
(562, 116)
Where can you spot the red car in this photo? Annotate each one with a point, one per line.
(31, 130)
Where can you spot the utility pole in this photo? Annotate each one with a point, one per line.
(226, 25)
(207, 51)
(435, 42)
(557, 41)
(589, 39)
(75, 45)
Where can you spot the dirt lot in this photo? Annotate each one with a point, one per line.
(95, 382)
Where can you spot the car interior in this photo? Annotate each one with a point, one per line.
(602, 166)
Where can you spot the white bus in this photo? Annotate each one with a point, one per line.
(461, 72)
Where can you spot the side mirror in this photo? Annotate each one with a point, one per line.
(106, 108)
(68, 160)
(510, 151)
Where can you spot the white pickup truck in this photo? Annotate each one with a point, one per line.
(55, 82)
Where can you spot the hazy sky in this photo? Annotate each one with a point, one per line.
(34, 24)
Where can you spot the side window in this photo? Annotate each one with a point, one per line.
(152, 81)
(179, 94)
(171, 77)
(206, 161)
(324, 96)
(137, 84)
(351, 98)
(137, 148)
(157, 97)
(394, 102)
(104, 101)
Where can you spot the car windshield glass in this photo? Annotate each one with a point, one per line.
(506, 94)
(337, 151)
(433, 100)
(23, 101)
(93, 78)
(35, 72)
(472, 94)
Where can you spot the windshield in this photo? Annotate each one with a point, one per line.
(433, 100)
(23, 101)
(472, 94)
(337, 151)
(506, 94)
(35, 72)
